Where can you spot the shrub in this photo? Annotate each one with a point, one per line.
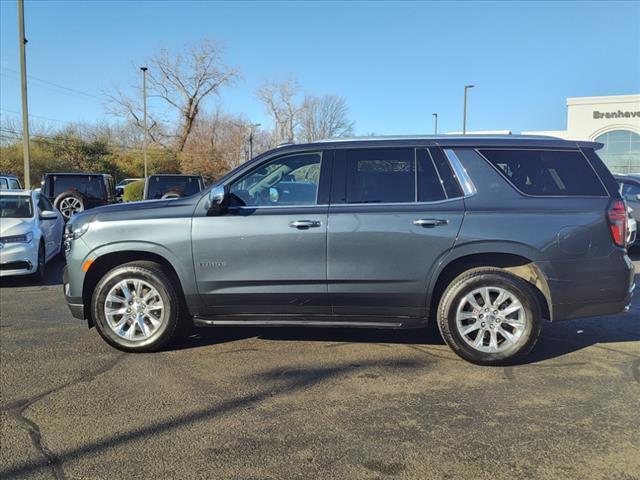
(133, 192)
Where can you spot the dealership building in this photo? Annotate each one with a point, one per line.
(613, 121)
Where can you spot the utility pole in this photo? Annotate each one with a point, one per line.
(144, 101)
(25, 109)
(435, 127)
(464, 115)
(251, 127)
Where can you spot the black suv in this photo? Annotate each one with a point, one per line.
(172, 186)
(72, 193)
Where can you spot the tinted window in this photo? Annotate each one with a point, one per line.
(172, 187)
(44, 203)
(449, 181)
(381, 176)
(3, 184)
(290, 180)
(14, 184)
(547, 172)
(87, 185)
(430, 186)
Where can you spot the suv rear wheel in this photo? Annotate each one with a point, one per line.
(489, 316)
(136, 308)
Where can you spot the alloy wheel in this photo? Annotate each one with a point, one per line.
(134, 309)
(491, 319)
(69, 206)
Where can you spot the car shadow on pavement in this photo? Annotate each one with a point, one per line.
(52, 276)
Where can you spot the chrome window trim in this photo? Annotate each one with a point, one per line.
(463, 178)
(502, 174)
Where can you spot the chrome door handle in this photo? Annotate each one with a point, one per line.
(304, 224)
(430, 222)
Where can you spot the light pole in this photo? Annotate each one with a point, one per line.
(464, 115)
(144, 102)
(23, 81)
(251, 127)
(435, 126)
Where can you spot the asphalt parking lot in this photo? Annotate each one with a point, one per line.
(300, 403)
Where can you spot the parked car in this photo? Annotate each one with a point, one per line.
(123, 183)
(484, 236)
(9, 182)
(632, 236)
(172, 186)
(30, 232)
(630, 191)
(72, 193)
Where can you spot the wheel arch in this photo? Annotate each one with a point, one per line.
(519, 264)
(105, 262)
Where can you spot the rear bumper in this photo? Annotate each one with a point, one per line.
(593, 289)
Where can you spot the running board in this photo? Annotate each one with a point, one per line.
(210, 321)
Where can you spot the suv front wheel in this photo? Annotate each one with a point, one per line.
(489, 316)
(136, 308)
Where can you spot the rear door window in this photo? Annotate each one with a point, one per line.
(381, 176)
(547, 172)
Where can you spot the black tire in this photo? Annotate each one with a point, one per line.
(67, 197)
(476, 278)
(154, 275)
(38, 275)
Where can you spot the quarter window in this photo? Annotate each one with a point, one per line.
(547, 172)
(290, 180)
(381, 176)
(430, 185)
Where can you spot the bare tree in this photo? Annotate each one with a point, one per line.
(183, 80)
(281, 101)
(324, 117)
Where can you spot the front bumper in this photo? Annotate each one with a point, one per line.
(18, 259)
(74, 303)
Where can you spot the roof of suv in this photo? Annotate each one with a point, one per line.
(455, 141)
(79, 174)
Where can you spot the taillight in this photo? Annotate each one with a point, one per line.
(618, 219)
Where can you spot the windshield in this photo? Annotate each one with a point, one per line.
(15, 206)
(172, 186)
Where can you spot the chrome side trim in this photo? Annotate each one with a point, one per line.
(294, 323)
(468, 188)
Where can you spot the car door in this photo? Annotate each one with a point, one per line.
(394, 214)
(266, 253)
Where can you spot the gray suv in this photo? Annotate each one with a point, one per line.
(484, 236)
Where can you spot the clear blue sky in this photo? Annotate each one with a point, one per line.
(395, 63)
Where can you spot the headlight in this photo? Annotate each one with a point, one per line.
(26, 238)
(73, 232)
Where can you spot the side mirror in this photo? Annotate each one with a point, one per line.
(48, 215)
(638, 197)
(216, 203)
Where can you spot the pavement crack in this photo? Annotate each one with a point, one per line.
(16, 410)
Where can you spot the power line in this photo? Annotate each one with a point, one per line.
(69, 89)
(31, 115)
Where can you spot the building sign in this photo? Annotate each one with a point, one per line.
(619, 114)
